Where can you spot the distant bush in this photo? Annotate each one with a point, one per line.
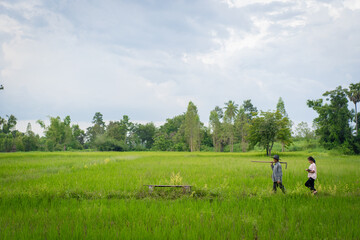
(103, 143)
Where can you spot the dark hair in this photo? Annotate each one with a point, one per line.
(311, 159)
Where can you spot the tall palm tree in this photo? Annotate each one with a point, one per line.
(354, 95)
(231, 109)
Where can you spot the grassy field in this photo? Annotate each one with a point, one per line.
(101, 196)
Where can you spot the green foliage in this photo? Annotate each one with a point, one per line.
(266, 128)
(192, 127)
(104, 143)
(242, 126)
(97, 129)
(60, 135)
(303, 131)
(171, 135)
(162, 142)
(7, 125)
(13, 140)
(172, 125)
(216, 127)
(353, 94)
(333, 119)
(231, 110)
(249, 109)
(284, 133)
(145, 133)
(231, 128)
(206, 138)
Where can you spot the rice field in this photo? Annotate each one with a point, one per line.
(101, 195)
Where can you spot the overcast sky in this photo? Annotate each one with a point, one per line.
(149, 58)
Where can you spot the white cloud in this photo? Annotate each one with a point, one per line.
(243, 3)
(236, 42)
(352, 4)
(10, 26)
(75, 58)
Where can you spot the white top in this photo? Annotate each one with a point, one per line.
(312, 168)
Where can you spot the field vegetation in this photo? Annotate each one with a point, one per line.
(231, 128)
(101, 195)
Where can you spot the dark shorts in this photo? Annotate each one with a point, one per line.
(310, 183)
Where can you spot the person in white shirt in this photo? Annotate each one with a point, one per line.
(312, 174)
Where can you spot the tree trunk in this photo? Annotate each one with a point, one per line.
(191, 144)
(356, 120)
(272, 144)
(231, 144)
(282, 147)
(243, 144)
(214, 142)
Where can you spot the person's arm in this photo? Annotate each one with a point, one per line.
(311, 169)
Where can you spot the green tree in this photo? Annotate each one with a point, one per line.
(162, 142)
(280, 106)
(8, 124)
(249, 109)
(231, 109)
(303, 130)
(116, 131)
(59, 135)
(354, 96)
(30, 140)
(6, 142)
(284, 134)
(192, 127)
(126, 127)
(171, 135)
(264, 130)
(117, 135)
(96, 130)
(18, 144)
(146, 134)
(242, 125)
(98, 120)
(206, 138)
(333, 119)
(216, 128)
(172, 125)
(78, 137)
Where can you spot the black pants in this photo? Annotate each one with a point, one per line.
(280, 185)
(310, 183)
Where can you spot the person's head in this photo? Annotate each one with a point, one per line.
(311, 159)
(276, 158)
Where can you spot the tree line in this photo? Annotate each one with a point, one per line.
(231, 128)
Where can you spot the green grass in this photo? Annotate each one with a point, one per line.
(101, 195)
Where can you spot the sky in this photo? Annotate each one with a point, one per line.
(147, 59)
